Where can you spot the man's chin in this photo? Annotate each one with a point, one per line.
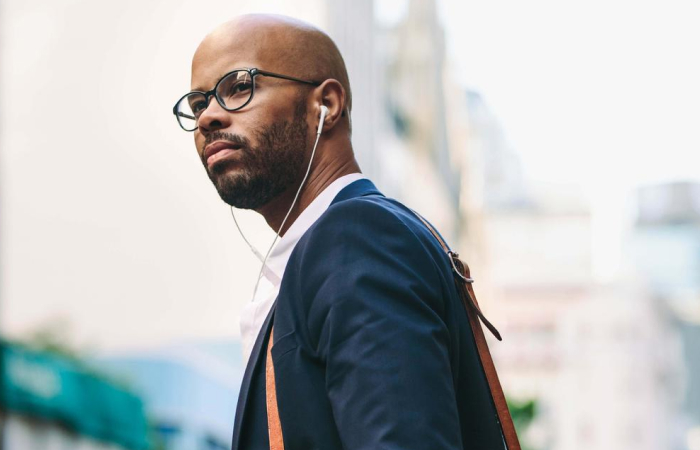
(225, 175)
(240, 191)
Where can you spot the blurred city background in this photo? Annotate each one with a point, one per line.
(555, 143)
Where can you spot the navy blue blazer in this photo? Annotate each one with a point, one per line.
(372, 346)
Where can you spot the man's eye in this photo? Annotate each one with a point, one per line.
(240, 87)
(198, 107)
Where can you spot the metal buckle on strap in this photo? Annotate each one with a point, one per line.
(454, 256)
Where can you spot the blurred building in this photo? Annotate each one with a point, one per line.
(189, 390)
(413, 140)
(620, 377)
(532, 266)
(52, 402)
(612, 366)
(349, 23)
(665, 249)
(603, 362)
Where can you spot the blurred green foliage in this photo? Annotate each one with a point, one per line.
(523, 413)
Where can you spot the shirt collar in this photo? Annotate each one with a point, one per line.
(277, 261)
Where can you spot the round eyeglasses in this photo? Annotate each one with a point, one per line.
(233, 91)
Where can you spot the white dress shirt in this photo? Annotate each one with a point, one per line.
(254, 313)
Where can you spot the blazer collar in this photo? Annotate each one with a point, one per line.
(359, 188)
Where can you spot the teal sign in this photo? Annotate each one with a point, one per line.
(56, 389)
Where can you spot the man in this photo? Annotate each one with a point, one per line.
(372, 348)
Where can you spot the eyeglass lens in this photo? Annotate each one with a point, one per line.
(233, 92)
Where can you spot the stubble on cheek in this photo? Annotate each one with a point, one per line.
(262, 172)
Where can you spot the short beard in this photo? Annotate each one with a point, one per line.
(267, 170)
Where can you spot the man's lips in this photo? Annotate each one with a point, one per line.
(219, 150)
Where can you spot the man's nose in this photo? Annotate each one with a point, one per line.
(214, 117)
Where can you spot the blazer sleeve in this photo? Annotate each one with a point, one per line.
(376, 304)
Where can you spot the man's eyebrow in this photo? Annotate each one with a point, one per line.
(201, 89)
(218, 78)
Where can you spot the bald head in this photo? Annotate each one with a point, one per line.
(274, 43)
(256, 137)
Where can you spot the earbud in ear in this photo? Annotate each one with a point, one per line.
(324, 113)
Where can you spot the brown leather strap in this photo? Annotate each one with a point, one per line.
(274, 426)
(461, 278)
(499, 399)
(464, 282)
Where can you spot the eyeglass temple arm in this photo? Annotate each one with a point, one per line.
(186, 116)
(285, 77)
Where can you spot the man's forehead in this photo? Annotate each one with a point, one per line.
(213, 59)
(233, 45)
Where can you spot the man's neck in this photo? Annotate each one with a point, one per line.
(320, 178)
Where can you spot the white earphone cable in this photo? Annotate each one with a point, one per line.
(253, 249)
(277, 235)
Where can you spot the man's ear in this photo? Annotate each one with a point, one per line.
(332, 95)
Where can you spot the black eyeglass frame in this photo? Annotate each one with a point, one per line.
(212, 93)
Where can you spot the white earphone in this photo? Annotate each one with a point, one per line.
(324, 113)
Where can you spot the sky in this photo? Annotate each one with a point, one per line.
(604, 87)
(109, 224)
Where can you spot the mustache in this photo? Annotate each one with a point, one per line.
(235, 139)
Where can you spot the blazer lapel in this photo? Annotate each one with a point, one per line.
(256, 357)
(359, 188)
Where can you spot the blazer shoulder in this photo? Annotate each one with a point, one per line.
(372, 213)
(371, 228)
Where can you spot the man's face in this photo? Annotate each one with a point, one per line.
(253, 174)
(256, 153)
